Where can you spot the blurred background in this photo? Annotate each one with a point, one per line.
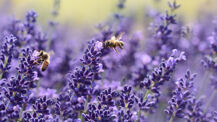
(90, 12)
(78, 18)
(63, 26)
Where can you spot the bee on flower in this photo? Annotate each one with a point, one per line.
(42, 58)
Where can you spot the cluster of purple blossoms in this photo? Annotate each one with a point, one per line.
(139, 83)
(6, 55)
(181, 96)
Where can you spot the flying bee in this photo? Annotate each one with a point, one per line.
(114, 42)
(43, 59)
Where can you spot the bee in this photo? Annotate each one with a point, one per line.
(114, 42)
(43, 59)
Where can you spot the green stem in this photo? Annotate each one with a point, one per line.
(80, 116)
(138, 116)
(145, 97)
(172, 117)
(21, 114)
(125, 108)
(174, 114)
(146, 94)
(49, 41)
(50, 34)
(6, 62)
(210, 100)
(103, 77)
(85, 109)
(37, 89)
(1, 75)
(85, 106)
(61, 116)
(203, 83)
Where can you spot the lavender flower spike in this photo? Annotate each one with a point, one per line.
(6, 55)
(181, 96)
(162, 73)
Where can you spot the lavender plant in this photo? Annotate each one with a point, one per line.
(7, 55)
(181, 96)
(138, 83)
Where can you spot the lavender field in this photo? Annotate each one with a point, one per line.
(158, 69)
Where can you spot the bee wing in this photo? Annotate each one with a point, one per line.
(51, 53)
(113, 38)
(119, 37)
(35, 54)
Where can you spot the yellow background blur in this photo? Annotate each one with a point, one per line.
(84, 12)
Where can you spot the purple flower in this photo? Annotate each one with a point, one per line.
(27, 32)
(28, 116)
(104, 109)
(106, 97)
(42, 104)
(98, 113)
(181, 96)
(121, 4)
(104, 86)
(162, 73)
(173, 6)
(6, 55)
(82, 80)
(30, 22)
(194, 112)
(126, 103)
(213, 82)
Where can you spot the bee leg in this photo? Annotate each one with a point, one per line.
(116, 50)
(35, 63)
(121, 47)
